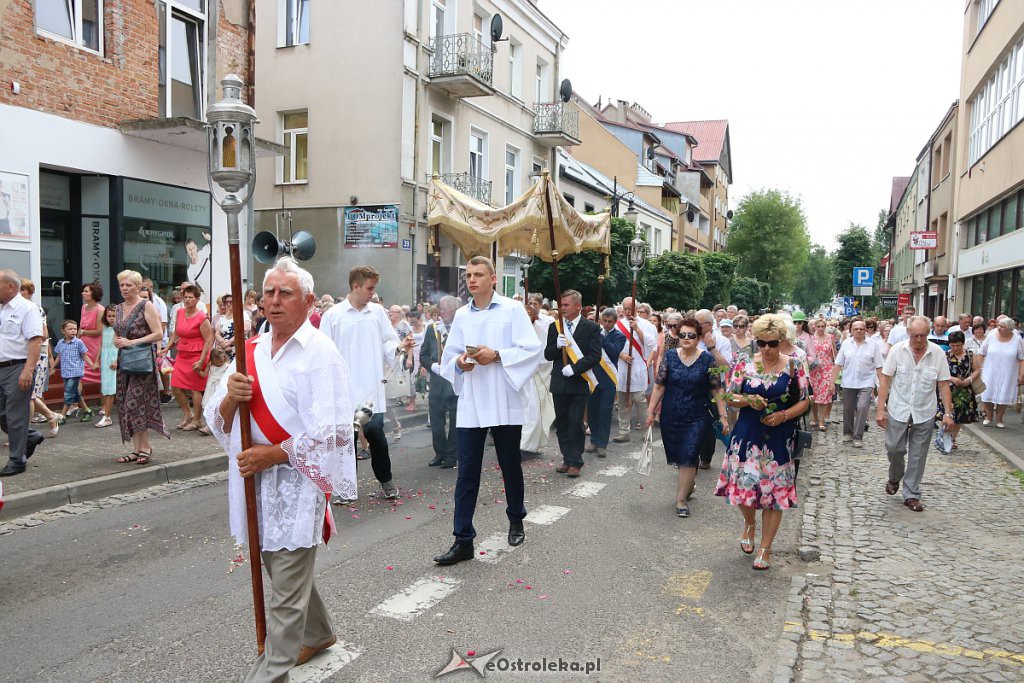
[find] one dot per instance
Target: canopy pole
(554, 262)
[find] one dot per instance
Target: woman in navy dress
(684, 392)
(770, 390)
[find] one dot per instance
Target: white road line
(494, 547)
(615, 471)
(586, 489)
(325, 664)
(547, 514)
(417, 598)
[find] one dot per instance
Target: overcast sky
(826, 99)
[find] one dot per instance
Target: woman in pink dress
(821, 357)
(193, 337)
(90, 329)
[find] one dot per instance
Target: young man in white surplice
(491, 354)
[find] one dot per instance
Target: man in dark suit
(599, 409)
(442, 401)
(569, 388)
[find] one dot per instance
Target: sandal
(191, 426)
(683, 512)
(184, 421)
(125, 459)
(144, 458)
(822, 428)
(747, 544)
(763, 560)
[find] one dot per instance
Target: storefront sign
(903, 301)
(166, 203)
(924, 239)
(371, 227)
(54, 192)
(888, 301)
(14, 207)
(96, 250)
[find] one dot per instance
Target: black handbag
(136, 360)
(804, 437)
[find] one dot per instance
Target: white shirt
(161, 309)
(493, 394)
(367, 342)
(722, 345)
(314, 380)
(912, 390)
(20, 322)
(859, 362)
(639, 371)
(898, 334)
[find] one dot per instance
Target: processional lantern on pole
(637, 258)
(232, 169)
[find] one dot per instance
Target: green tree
(814, 283)
(751, 294)
(768, 236)
(579, 271)
(855, 250)
(720, 269)
(675, 279)
(880, 240)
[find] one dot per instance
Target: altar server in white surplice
(540, 409)
(301, 418)
(491, 354)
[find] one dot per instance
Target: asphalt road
(147, 590)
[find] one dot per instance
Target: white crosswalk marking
(417, 598)
(494, 547)
(614, 471)
(325, 664)
(586, 489)
(547, 514)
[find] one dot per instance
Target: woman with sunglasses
(757, 472)
(742, 342)
(686, 386)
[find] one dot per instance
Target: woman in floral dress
(963, 372)
(821, 355)
(757, 472)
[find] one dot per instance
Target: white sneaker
(986, 422)
(105, 422)
(847, 438)
(857, 443)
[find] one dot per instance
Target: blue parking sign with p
(863, 277)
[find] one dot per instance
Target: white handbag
(643, 465)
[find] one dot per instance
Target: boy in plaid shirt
(72, 355)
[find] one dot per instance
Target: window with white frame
(478, 30)
(985, 8)
(439, 145)
(515, 69)
(542, 81)
(294, 26)
(182, 37)
(437, 21)
(538, 166)
(512, 156)
(997, 107)
(79, 22)
(478, 155)
(295, 164)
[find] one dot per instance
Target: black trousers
(443, 410)
(380, 460)
(569, 410)
(707, 451)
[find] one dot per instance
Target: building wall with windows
(990, 138)
(902, 256)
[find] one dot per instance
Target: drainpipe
(416, 150)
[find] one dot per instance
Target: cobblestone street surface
(898, 595)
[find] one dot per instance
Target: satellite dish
(691, 216)
(565, 90)
(303, 245)
(266, 246)
(728, 214)
(497, 26)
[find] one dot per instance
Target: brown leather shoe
(891, 487)
(306, 653)
(562, 469)
(914, 504)
(572, 472)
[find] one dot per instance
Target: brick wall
(120, 85)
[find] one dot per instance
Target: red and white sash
(268, 409)
(632, 338)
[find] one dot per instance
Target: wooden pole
(554, 262)
(245, 427)
(629, 371)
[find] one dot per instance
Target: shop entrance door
(57, 287)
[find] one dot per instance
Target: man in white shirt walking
(363, 335)
(861, 360)
(491, 354)
(21, 336)
(899, 332)
(906, 407)
(634, 364)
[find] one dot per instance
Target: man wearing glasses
(861, 361)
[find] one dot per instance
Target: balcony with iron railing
(467, 184)
(556, 124)
(462, 66)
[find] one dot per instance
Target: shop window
(1018, 307)
(181, 78)
(79, 22)
(978, 296)
(989, 305)
(294, 165)
(1005, 292)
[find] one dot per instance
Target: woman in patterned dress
(138, 396)
(90, 327)
(963, 371)
(757, 472)
(821, 356)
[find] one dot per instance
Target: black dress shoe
(435, 462)
(459, 552)
(447, 465)
(516, 534)
(33, 440)
(10, 469)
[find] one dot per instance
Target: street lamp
(232, 169)
(637, 257)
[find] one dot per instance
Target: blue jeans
(71, 393)
(599, 415)
(471, 458)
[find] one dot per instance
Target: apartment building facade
(990, 177)
(391, 95)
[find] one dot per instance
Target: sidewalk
(79, 463)
(1008, 442)
(899, 595)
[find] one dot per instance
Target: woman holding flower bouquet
(758, 473)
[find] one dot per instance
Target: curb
(996, 447)
(28, 502)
